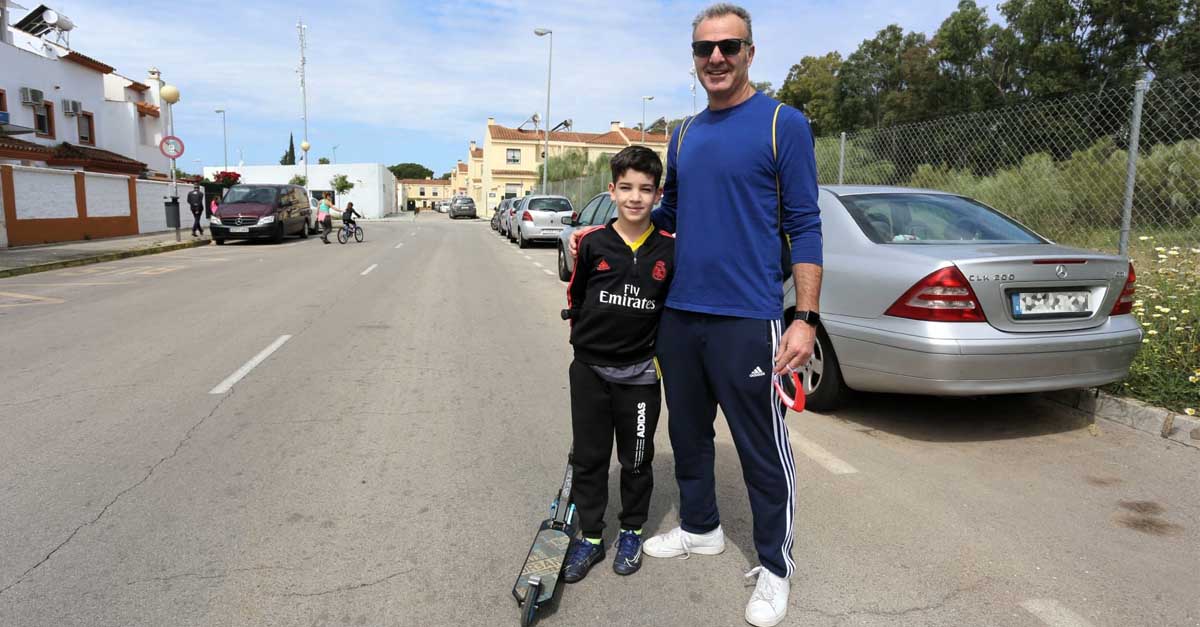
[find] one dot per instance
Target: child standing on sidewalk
(614, 300)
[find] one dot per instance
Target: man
(195, 201)
(737, 174)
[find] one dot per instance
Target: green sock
(637, 531)
(594, 540)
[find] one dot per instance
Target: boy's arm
(577, 288)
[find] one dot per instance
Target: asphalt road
(389, 461)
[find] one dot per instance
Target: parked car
(507, 219)
(926, 292)
(499, 214)
(261, 211)
(598, 210)
(539, 219)
(462, 207)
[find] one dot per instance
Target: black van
(261, 211)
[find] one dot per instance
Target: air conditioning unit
(72, 107)
(32, 96)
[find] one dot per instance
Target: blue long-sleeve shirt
(720, 200)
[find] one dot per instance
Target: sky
(415, 81)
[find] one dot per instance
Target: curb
(84, 261)
(1179, 428)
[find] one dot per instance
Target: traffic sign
(171, 147)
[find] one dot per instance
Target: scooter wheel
(529, 607)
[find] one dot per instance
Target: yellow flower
(1165, 310)
(1172, 252)
(1144, 238)
(1193, 379)
(1185, 312)
(1152, 332)
(1159, 249)
(1156, 315)
(1189, 411)
(1172, 318)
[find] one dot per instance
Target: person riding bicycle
(348, 215)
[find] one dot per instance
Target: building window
(422, 191)
(43, 119)
(3, 101)
(514, 155)
(435, 192)
(87, 129)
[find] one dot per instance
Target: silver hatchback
(538, 218)
(598, 210)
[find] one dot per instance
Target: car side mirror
(568, 221)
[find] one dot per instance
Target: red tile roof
(146, 108)
(88, 62)
(21, 149)
(635, 136)
(514, 173)
(624, 137)
(462, 167)
(477, 153)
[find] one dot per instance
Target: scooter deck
(545, 560)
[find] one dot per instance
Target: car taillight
(944, 296)
(1124, 304)
(525, 217)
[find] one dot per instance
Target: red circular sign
(171, 147)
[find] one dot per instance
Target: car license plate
(1051, 304)
(239, 229)
(550, 231)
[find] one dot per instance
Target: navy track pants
(710, 360)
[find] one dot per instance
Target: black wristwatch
(809, 317)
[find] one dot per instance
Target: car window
(549, 204)
(933, 219)
(237, 194)
(607, 207)
(589, 210)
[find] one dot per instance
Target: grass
(1166, 372)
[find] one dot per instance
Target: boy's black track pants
(599, 409)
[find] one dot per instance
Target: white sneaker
(768, 605)
(678, 542)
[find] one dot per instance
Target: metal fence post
(842, 159)
(1135, 125)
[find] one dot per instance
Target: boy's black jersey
(616, 295)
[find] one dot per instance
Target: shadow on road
(969, 419)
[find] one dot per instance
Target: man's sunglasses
(729, 47)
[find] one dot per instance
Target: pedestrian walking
(195, 201)
(740, 174)
(325, 217)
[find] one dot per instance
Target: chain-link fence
(1062, 167)
(581, 189)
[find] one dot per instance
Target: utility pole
(304, 145)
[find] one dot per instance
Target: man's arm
(802, 223)
(664, 216)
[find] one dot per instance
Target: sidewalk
(27, 259)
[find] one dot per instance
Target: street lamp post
(224, 138)
(692, 71)
(304, 145)
(170, 96)
(644, 100)
(549, 64)
(335, 154)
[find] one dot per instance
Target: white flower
(1143, 238)
(1172, 252)
(1152, 332)
(1189, 411)
(1159, 249)
(1193, 379)
(1165, 310)
(1185, 312)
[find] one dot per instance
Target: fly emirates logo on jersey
(629, 298)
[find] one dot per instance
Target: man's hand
(796, 347)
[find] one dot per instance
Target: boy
(615, 299)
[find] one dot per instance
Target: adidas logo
(603, 265)
(757, 372)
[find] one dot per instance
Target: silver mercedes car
(926, 292)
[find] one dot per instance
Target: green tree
(289, 155)
(299, 179)
(886, 80)
(812, 87)
(341, 184)
(572, 163)
(410, 171)
(446, 176)
(764, 87)
(323, 161)
(1178, 52)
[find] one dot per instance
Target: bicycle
(346, 231)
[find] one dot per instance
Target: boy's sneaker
(581, 556)
(768, 605)
(678, 542)
(629, 553)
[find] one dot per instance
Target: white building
(373, 195)
(82, 114)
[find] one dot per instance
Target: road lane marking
(818, 454)
(232, 379)
(527, 257)
(33, 300)
(399, 245)
(368, 270)
(538, 265)
(547, 272)
(1054, 613)
(91, 284)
